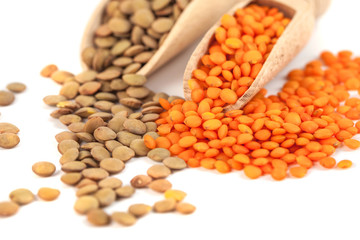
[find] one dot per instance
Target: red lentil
(275, 135)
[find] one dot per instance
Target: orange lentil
(278, 174)
(242, 158)
(352, 143)
(262, 135)
(222, 166)
(193, 162)
(197, 95)
(208, 163)
(252, 172)
(260, 161)
(187, 141)
(279, 152)
(163, 142)
(304, 161)
(175, 149)
(328, 162)
(193, 121)
(323, 133)
(259, 153)
(187, 154)
(228, 96)
(149, 142)
(176, 116)
(344, 164)
(305, 122)
(298, 172)
(164, 103)
(316, 156)
(212, 124)
(343, 135)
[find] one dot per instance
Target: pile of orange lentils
(285, 134)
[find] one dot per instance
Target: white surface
(323, 205)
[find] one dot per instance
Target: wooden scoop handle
(295, 36)
(320, 6)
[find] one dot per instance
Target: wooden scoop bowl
(193, 22)
(302, 13)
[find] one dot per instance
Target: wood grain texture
(293, 39)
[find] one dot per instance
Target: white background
(323, 205)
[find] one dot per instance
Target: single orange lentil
(164, 103)
(352, 143)
(193, 162)
(149, 142)
(197, 95)
(218, 58)
(304, 161)
(263, 135)
(278, 174)
(187, 141)
(252, 56)
(208, 163)
(252, 172)
(242, 158)
(176, 116)
(323, 133)
(328, 162)
(193, 121)
(222, 166)
(228, 96)
(212, 124)
(344, 164)
(298, 172)
(163, 142)
(201, 147)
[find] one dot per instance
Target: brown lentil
(6, 98)
(71, 178)
(8, 209)
(174, 163)
(95, 173)
(158, 171)
(160, 185)
(98, 217)
(139, 210)
(158, 154)
(112, 165)
(16, 87)
(8, 128)
(84, 204)
(9, 140)
(140, 181)
(110, 182)
(163, 206)
(105, 196)
(185, 208)
(125, 191)
(22, 196)
(48, 194)
(87, 190)
(123, 218)
(43, 169)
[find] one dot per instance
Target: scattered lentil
(48, 194)
(8, 209)
(22, 196)
(43, 169)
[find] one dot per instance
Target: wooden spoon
(296, 34)
(193, 22)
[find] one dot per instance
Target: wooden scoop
(193, 22)
(296, 34)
